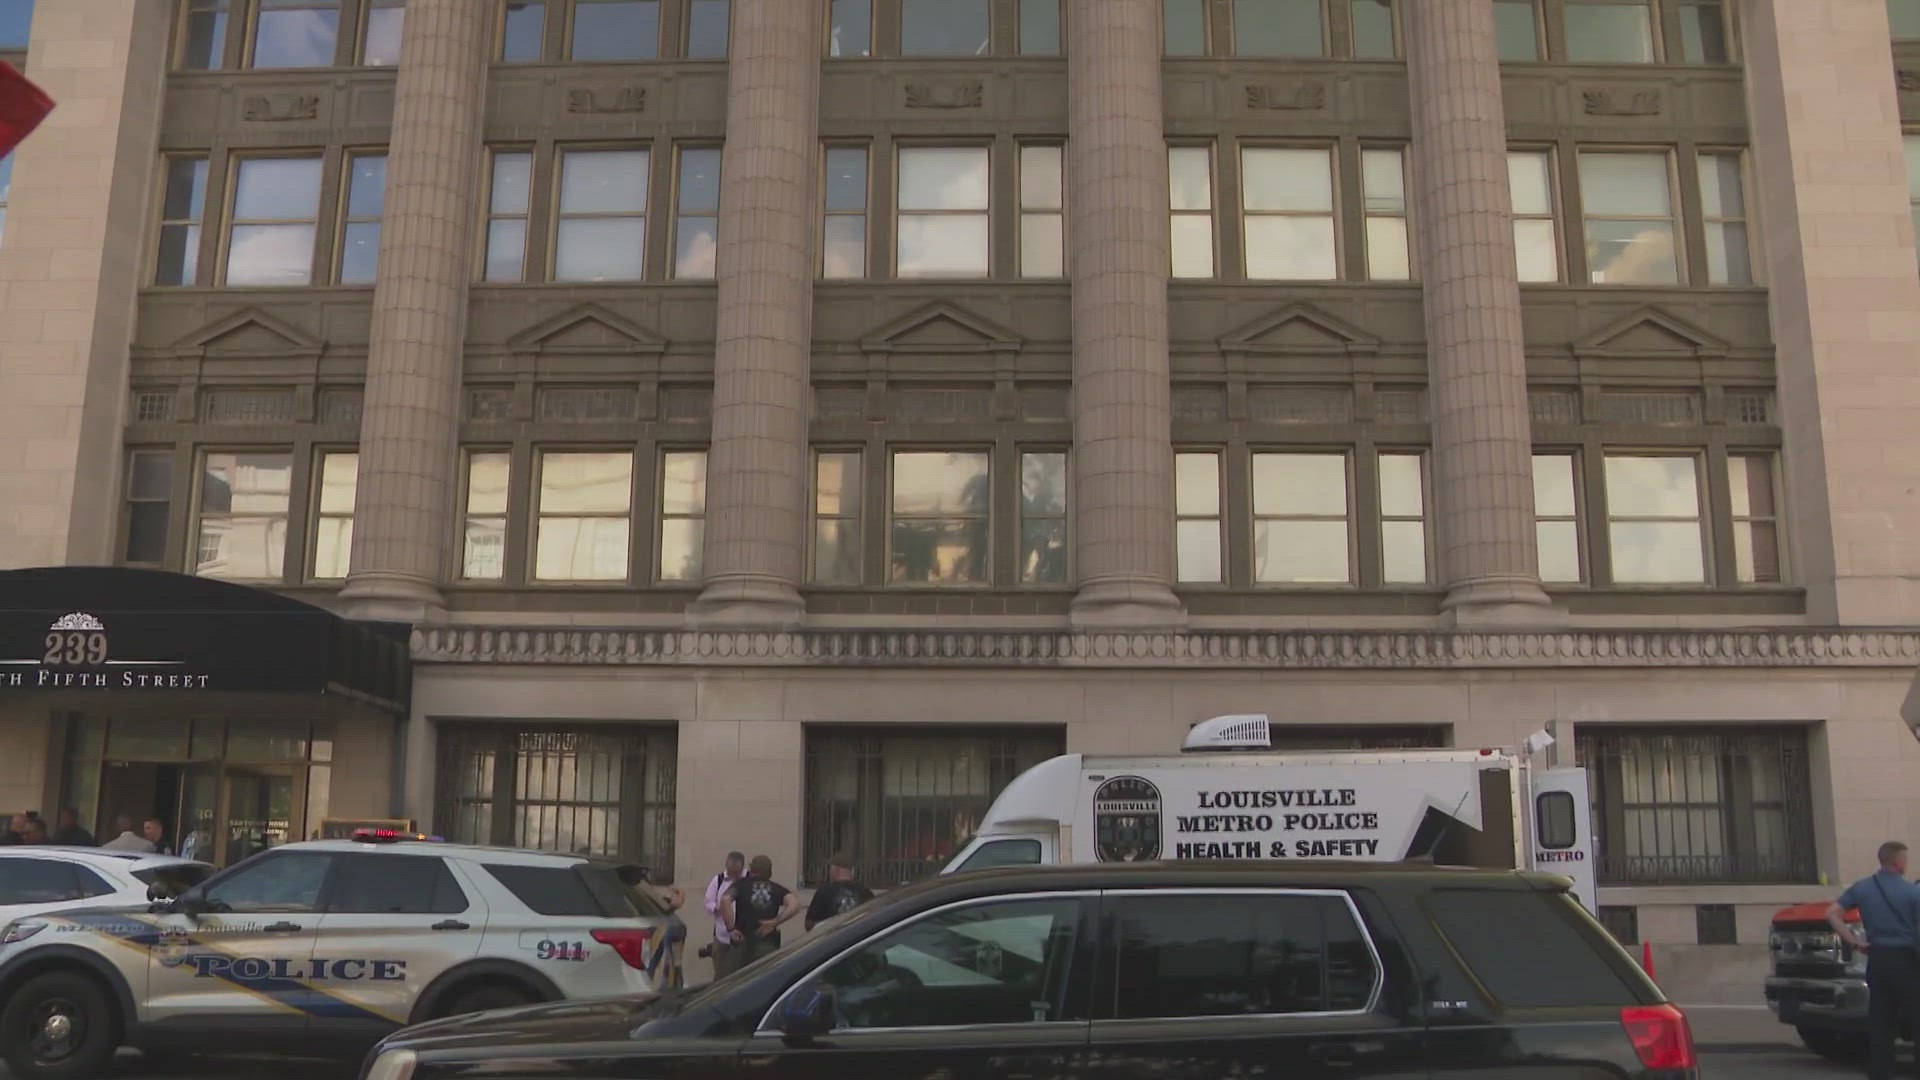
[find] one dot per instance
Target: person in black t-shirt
(754, 910)
(840, 894)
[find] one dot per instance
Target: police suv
(326, 946)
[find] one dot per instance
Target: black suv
(1169, 970)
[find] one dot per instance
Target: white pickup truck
(1227, 797)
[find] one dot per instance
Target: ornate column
(756, 539)
(409, 430)
(1117, 224)
(1482, 444)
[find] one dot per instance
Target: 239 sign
(75, 648)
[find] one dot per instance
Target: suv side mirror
(809, 1012)
(193, 902)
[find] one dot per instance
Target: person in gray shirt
(1889, 933)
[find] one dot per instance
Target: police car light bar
(385, 836)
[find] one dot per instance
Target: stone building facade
(780, 421)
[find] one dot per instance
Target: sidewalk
(1728, 1027)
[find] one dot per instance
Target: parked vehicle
(37, 879)
(325, 947)
(1227, 798)
(1178, 971)
(1818, 983)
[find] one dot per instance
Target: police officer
(1889, 908)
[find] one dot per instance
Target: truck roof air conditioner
(1249, 732)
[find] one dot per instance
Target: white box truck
(1228, 797)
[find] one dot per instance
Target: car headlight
(20, 931)
(393, 1065)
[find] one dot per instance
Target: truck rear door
(1560, 837)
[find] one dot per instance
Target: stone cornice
(1382, 650)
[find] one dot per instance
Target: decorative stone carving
(964, 94)
(273, 108)
(622, 99)
(1383, 650)
(1301, 97)
(1622, 102)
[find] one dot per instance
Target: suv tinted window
(1531, 949)
(1005, 962)
(396, 885)
(1257, 954)
(548, 890)
(91, 883)
(38, 881)
(283, 882)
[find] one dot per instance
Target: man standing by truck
(1889, 907)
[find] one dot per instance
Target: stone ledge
(1255, 650)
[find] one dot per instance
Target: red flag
(22, 107)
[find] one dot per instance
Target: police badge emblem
(1126, 820)
(171, 948)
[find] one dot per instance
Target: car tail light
(1660, 1036)
(630, 944)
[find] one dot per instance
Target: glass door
(261, 812)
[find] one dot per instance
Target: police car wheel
(484, 997)
(59, 1026)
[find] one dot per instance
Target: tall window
(523, 26)
(1043, 519)
(1384, 180)
(602, 231)
(944, 28)
(149, 506)
(1756, 519)
(939, 527)
(483, 544)
(850, 29)
(1516, 22)
(1403, 520)
(1040, 27)
(1197, 533)
(509, 198)
(295, 33)
(203, 45)
(276, 209)
(1703, 32)
(1300, 533)
(582, 517)
(904, 801)
(942, 228)
(1556, 513)
(707, 25)
(843, 248)
(836, 517)
(1278, 28)
(1186, 27)
(1287, 199)
(241, 518)
(615, 30)
(1190, 172)
(1536, 242)
(380, 33)
(333, 515)
(366, 204)
(1628, 199)
(1609, 31)
(1042, 220)
(1724, 205)
(1719, 804)
(1373, 37)
(183, 206)
(1653, 520)
(696, 225)
(683, 514)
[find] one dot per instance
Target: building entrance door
(261, 812)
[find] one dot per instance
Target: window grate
(151, 406)
(1622, 922)
(340, 406)
(1300, 404)
(589, 404)
(902, 803)
(249, 406)
(940, 406)
(1554, 406)
(686, 403)
(1714, 924)
(1199, 404)
(588, 790)
(1400, 406)
(1045, 402)
(492, 404)
(840, 403)
(1701, 806)
(1653, 407)
(1750, 407)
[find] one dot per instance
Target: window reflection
(296, 33)
(1300, 519)
(616, 29)
(243, 516)
(940, 505)
(1629, 216)
(601, 235)
(582, 530)
(1653, 515)
(943, 220)
(1609, 33)
(944, 28)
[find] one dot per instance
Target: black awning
(98, 629)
